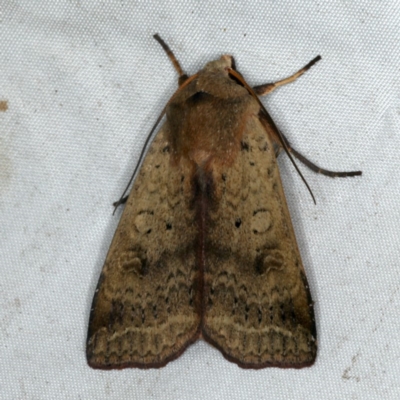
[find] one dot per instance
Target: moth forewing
(146, 308)
(205, 246)
(258, 308)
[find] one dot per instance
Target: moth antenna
(292, 159)
(123, 199)
(316, 168)
(182, 76)
(265, 114)
(267, 88)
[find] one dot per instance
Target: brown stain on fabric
(3, 105)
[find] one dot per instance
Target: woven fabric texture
(81, 84)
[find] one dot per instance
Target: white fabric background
(85, 81)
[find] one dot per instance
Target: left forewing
(146, 308)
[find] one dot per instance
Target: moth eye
(165, 149)
(223, 177)
(234, 78)
(157, 166)
(199, 97)
(252, 163)
(238, 222)
(233, 63)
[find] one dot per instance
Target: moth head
(225, 62)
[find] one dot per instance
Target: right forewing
(258, 310)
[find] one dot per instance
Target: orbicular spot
(238, 222)
(168, 226)
(144, 221)
(261, 221)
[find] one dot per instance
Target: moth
(205, 247)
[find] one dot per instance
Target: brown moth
(205, 247)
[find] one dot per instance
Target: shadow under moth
(205, 247)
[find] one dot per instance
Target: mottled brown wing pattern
(258, 309)
(146, 308)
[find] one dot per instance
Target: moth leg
(122, 200)
(267, 88)
(182, 76)
(277, 149)
(316, 168)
